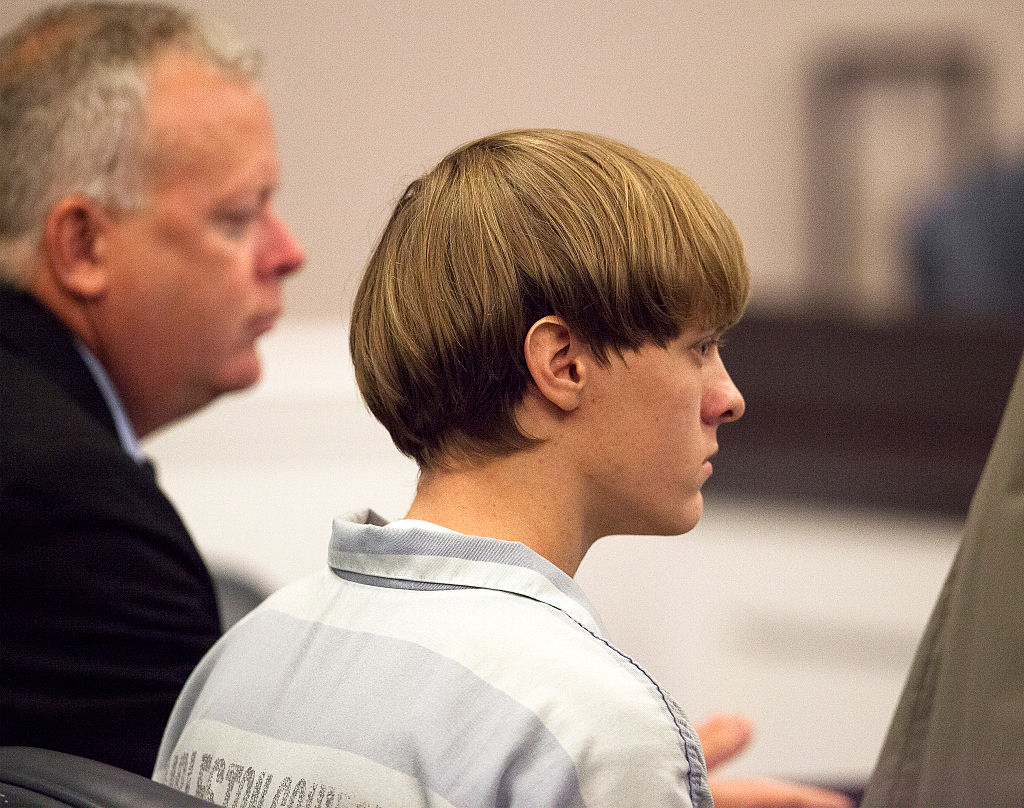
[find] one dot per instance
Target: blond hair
(508, 229)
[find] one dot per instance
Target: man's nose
(283, 253)
(723, 401)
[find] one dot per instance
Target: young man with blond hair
(538, 328)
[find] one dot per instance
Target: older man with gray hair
(140, 260)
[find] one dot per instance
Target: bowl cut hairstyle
(625, 248)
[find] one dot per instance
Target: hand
(725, 736)
(773, 794)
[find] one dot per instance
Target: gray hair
(72, 94)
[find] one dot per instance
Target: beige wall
(367, 95)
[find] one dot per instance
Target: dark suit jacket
(105, 604)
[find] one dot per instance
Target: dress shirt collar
(363, 546)
(121, 423)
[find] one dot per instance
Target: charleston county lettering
(235, 786)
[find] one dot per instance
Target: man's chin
(687, 519)
(243, 373)
(673, 523)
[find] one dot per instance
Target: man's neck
(518, 497)
(148, 405)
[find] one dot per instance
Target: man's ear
(74, 240)
(558, 361)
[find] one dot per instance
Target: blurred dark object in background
(888, 118)
(967, 251)
(885, 388)
(842, 413)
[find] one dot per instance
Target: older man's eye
(235, 223)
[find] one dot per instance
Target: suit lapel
(29, 330)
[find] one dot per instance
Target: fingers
(774, 794)
(723, 737)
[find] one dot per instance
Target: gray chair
(238, 593)
(41, 778)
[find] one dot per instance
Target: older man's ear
(74, 247)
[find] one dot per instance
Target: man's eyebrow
(259, 193)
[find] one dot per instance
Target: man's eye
(709, 347)
(235, 223)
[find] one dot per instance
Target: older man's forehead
(199, 118)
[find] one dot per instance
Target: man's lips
(263, 323)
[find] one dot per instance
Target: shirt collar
(121, 423)
(362, 545)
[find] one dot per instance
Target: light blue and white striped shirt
(428, 668)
